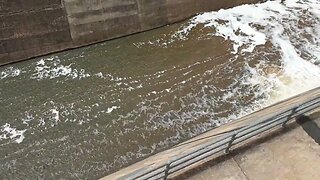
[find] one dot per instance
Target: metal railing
(225, 142)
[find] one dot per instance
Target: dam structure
(94, 89)
(37, 27)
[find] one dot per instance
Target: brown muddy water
(85, 113)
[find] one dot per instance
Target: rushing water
(88, 112)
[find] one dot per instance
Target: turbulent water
(88, 112)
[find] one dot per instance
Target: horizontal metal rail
(226, 142)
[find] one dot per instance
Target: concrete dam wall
(30, 28)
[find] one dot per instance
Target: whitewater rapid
(293, 27)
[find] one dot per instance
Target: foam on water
(10, 72)
(249, 26)
(8, 132)
(50, 68)
(112, 109)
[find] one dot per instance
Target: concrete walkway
(290, 153)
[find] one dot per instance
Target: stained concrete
(288, 154)
(95, 20)
(31, 28)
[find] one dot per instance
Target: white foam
(27, 119)
(55, 114)
(112, 109)
(50, 68)
(8, 132)
(249, 26)
(10, 72)
(299, 75)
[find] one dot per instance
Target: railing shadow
(310, 127)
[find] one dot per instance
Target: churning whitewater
(292, 27)
(90, 111)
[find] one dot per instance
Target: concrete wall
(95, 20)
(30, 28)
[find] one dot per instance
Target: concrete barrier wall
(30, 28)
(96, 20)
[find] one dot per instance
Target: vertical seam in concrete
(240, 168)
(139, 6)
(68, 21)
(139, 13)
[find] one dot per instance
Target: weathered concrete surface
(152, 13)
(288, 154)
(192, 144)
(224, 170)
(31, 28)
(96, 20)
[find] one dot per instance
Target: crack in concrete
(240, 168)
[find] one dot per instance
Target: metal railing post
(166, 171)
(233, 137)
(290, 116)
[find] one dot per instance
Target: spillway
(87, 112)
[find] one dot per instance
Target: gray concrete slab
(226, 170)
(288, 154)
